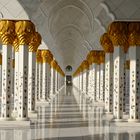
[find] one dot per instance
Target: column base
(32, 115)
(117, 120)
(108, 113)
(22, 119)
(40, 103)
(14, 124)
(133, 120)
(32, 111)
(97, 103)
(43, 100)
(14, 113)
(6, 119)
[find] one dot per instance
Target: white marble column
(102, 75)
(98, 82)
(52, 83)
(35, 42)
(44, 81)
(134, 55)
(0, 74)
(81, 73)
(47, 58)
(7, 39)
(24, 37)
(40, 65)
(16, 77)
(102, 82)
(119, 41)
(12, 75)
(90, 82)
(12, 82)
(37, 83)
(84, 81)
(92, 58)
(109, 82)
(85, 76)
(23, 82)
(118, 83)
(56, 81)
(108, 48)
(80, 81)
(93, 82)
(53, 78)
(127, 83)
(124, 87)
(6, 82)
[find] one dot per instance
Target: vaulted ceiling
(71, 28)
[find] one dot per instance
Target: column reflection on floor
(62, 119)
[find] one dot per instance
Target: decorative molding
(109, 13)
(69, 26)
(72, 3)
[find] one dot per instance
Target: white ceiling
(71, 28)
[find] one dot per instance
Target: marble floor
(70, 116)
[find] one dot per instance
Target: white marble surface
(67, 123)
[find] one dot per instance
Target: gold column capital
(106, 43)
(7, 31)
(57, 68)
(24, 30)
(85, 65)
(38, 56)
(54, 64)
(46, 56)
(134, 34)
(16, 44)
(117, 32)
(35, 42)
(102, 57)
(94, 56)
(89, 58)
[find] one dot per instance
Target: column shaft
(102, 82)
(118, 87)
(6, 82)
(23, 83)
(40, 81)
(31, 82)
(98, 83)
(52, 83)
(16, 82)
(134, 54)
(108, 82)
(45, 78)
(37, 81)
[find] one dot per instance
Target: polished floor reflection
(70, 116)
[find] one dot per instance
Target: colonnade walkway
(70, 116)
